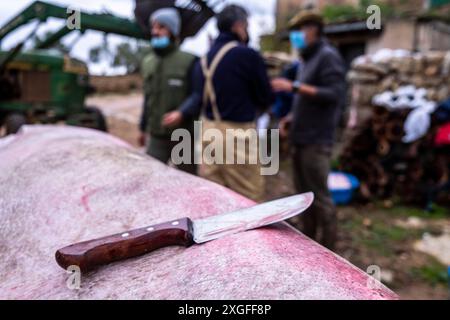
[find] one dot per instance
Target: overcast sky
(261, 21)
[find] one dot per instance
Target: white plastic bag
(416, 125)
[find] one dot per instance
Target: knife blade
(90, 254)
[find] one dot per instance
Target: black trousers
(311, 164)
(161, 149)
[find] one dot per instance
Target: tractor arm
(101, 22)
(53, 38)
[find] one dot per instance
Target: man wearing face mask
(317, 107)
(232, 85)
(167, 72)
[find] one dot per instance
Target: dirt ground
(122, 114)
(384, 234)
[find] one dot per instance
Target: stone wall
(387, 70)
(116, 84)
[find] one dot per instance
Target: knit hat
(168, 17)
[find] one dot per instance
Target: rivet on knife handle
(90, 254)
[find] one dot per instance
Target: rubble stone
(423, 70)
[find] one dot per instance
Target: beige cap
(306, 16)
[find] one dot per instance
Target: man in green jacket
(167, 86)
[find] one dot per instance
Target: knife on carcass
(183, 232)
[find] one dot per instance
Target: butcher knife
(182, 232)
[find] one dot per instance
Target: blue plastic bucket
(342, 187)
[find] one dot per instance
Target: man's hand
(284, 126)
(282, 85)
(172, 119)
(142, 139)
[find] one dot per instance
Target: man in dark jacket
(232, 85)
(320, 93)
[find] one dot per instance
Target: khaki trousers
(246, 178)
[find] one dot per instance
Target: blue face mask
(298, 39)
(160, 42)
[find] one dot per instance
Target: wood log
(386, 166)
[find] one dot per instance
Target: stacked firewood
(377, 153)
(386, 166)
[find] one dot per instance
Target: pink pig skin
(61, 185)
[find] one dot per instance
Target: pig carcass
(61, 185)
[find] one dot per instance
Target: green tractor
(45, 85)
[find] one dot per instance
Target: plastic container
(342, 187)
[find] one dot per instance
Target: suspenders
(209, 94)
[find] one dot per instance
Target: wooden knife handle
(90, 254)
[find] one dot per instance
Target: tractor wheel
(98, 117)
(13, 122)
(91, 118)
